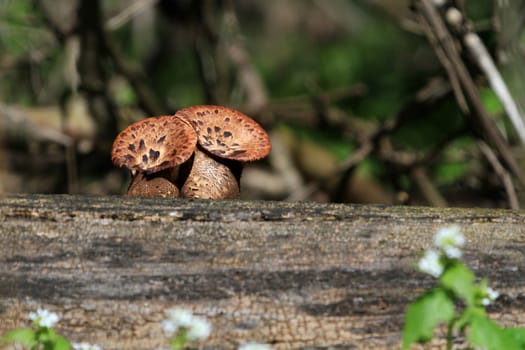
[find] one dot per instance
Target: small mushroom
(151, 148)
(226, 140)
(153, 185)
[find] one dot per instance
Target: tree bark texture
(294, 275)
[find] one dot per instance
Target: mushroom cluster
(197, 153)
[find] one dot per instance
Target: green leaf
(23, 336)
(424, 314)
(460, 280)
(61, 343)
(489, 336)
(45, 335)
(180, 340)
(468, 315)
(517, 333)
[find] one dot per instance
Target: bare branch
(502, 173)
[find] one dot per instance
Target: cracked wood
(295, 275)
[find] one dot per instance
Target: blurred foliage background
(358, 105)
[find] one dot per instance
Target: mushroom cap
(154, 144)
(227, 133)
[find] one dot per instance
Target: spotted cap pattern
(154, 144)
(227, 133)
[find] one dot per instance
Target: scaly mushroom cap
(154, 144)
(227, 133)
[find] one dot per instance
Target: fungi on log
(294, 275)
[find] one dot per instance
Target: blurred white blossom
(169, 327)
(85, 346)
(452, 252)
(255, 346)
(43, 318)
(450, 240)
(430, 263)
(181, 317)
(491, 295)
(197, 328)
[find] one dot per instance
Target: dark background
(358, 105)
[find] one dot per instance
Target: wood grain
(295, 275)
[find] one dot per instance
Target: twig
(502, 173)
(249, 79)
(135, 8)
(441, 33)
(485, 62)
(448, 65)
(281, 161)
(427, 188)
(299, 110)
(483, 59)
(426, 98)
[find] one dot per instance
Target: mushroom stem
(211, 177)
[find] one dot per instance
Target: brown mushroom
(151, 148)
(152, 185)
(226, 139)
(202, 149)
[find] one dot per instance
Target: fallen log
(294, 275)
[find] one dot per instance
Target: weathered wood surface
(298, 275)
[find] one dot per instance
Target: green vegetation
(458, 302)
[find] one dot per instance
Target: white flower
(491, 295)
(196, 327)
(43, 318)
(431, 264)
(181, 317)
(199, 329)
(452, 252)
(85, 346)
(449, 239)
(255, 346)
(169, 327)
(449, 236)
